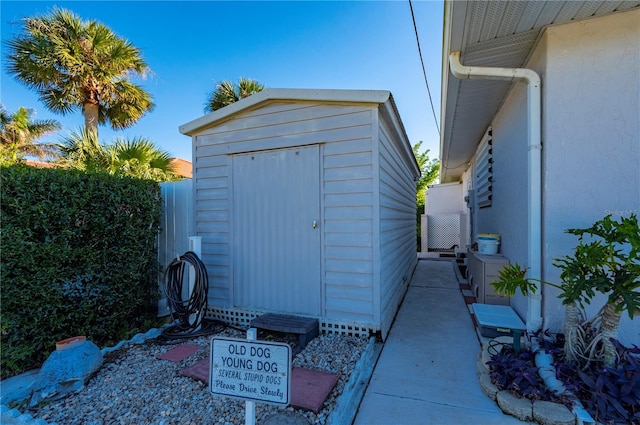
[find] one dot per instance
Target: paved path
(426, 373)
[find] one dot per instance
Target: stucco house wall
(591, 147)
(591, 135)
(507, 216)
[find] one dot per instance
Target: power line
(424, 72)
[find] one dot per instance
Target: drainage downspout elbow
(463, 72)
(534, 162)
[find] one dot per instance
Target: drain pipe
(534, 162)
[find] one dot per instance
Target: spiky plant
(227, 93)
(19, 135)
(139, 157)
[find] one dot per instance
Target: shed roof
(495, 34)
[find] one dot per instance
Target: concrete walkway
(426, 372)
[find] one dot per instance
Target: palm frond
(71, 62)
(511, 278)
(227, 93)
(19, 135)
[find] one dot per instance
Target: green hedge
(78, 257)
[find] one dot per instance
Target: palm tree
(19, 133)
(75, 64)
(140, 158)
(82, 150)
(227, 93)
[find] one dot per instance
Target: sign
(251, 370)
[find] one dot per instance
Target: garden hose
(188, 315)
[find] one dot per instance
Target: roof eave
(453, 32)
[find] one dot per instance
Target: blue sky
(296, 44)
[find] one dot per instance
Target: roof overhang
(493, 34)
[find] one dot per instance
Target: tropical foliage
(606, 261)
(610, 394)
(227, 93)
(430, 171)
(19, 134)
(82, 150)
(138, 157)
(80, 65)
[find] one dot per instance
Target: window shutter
(484, 170)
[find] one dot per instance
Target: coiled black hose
(188, 314)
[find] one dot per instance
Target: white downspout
(534, 145)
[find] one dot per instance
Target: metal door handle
(315, 224)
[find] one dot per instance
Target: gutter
(534, 166)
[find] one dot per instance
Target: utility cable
(424, 71)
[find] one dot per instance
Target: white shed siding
(211, 198)
(348, 221)
(365, 218)
(344, 134)
(397, 224)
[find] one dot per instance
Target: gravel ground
(133, 387)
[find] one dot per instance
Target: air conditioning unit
(482, 270)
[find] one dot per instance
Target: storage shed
(305, 202)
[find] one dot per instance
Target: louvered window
(484, 170)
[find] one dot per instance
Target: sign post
(251, 370)
(250, 405)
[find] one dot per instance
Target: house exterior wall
(396, 257)
(446, 198)
(592, 135)
(507, 215)
(590, 74)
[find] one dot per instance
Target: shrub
(78, 258)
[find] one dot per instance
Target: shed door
(276, 230)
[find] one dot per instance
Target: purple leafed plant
(518, 374)
(611, 395)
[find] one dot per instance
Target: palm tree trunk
(609, 329)
(571, 322)
(90, 111)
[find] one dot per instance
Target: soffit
(493, 34)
